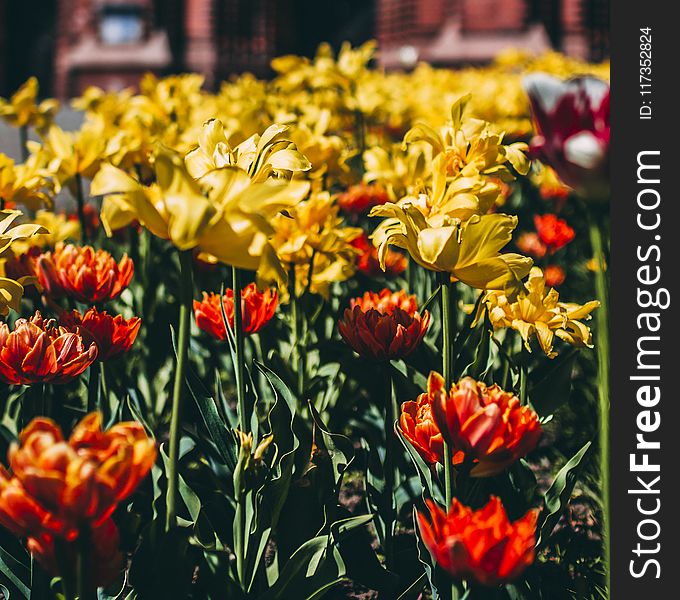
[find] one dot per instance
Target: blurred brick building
(70, 44)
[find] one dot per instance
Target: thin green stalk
(239, 337)
(80, 201)
(448, 335)
(105, 403)
(86, 589)
(186, 296)
(23, 142)
(523, 381)
(93, 387)
(298, 325)
(388, 467)
(602, 352)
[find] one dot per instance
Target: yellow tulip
(23, 110)
(538, 312)
(25, 183)
(225, 215)
(12, 290)
(261, 157)
(470, 251)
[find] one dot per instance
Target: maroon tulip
(572, 123)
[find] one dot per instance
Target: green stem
(239, 337)
(360, 125)
(93, 387)
(186, 297)
(298, 325)
(448, 335)
(86, 589)
(523, 379)
(80, 201)
(105, 401)
(602, 352)
(23, 142)
(389, 471)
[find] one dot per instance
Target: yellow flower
(25, 183)
(23, 110)
(12, 290)
(538, 312)
(77, 153)
(261, 157)
(55, 228)
(312, 237)
(470, 251)
(400, 170)
(225, 215)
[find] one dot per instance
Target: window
(121, 25)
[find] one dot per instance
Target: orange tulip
(60, 487)
(418, 426)
(486, 423)
(83, 273)
(554, 275)
(40, 351)
(257, 309)
(481, 544)
(529, 243)
(383, 326)
(112, 335)
(104, 557)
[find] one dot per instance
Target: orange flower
(481, 544)
(383, 326)
(257, 308)
(84, 274)
(360, 198)
(554, 232)
(38, 351)
(104, 556)
(112, 335)
(554, 275)
(486, 423)
(529, 243)
(368, 263)
(418, 426)
(61, 487)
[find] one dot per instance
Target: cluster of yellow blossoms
(250, 176)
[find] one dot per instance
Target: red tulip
(84, 274)
(40, 351)
(360, 198)
(368, 263)
(573, 130)
(104, 557)
(383, 326)
(482, 544)
(112, 335)
(554, 232)
(486, 423)
(257, 309)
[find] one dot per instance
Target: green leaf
(339, 447)
(216, 427)
(17, 574)
(557, 496)
(553, 386)
(424, 471)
